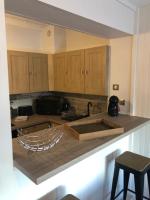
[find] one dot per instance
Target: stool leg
(126, 181)
(114, 184)
(139, 186)
(148, 176)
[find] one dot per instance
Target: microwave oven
(50, 105)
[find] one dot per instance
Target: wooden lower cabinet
(28, 72)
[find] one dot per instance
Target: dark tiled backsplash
(78, 101)
(29, 95)
(17, 100)
(80, 105)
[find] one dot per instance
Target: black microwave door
(48, 107)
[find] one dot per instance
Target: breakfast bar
(40, 166)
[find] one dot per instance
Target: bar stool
(70, 197)
(137, 165)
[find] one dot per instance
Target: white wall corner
(135, 54)
(128, 4)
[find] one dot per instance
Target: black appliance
(113, 107)
(51, 105)
(14, 112)
(25, 111)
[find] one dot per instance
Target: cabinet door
(38, 70)
(59, 71)
(75, 72)
(96, 71)
(18, 72)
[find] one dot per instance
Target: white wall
(78, 40)
(6, 164)
(59, 39)
(141, 81)
(27, 35)
(120, 69)
(111, 13)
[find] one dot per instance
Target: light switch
(115, 86)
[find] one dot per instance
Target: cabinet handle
(82, 71)
(86, 72)
(30, 73)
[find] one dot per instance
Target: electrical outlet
(115, 86)
(122, 102)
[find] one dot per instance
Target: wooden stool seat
(137, 165)
(70, 197)
(133, 162)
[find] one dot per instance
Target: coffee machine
(113, 107)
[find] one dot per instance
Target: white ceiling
(48, 14)
(139, 3)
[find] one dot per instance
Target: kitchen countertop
(36, 119)
(39, 166)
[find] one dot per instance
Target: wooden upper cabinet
(38, 71)
(96, 70)
(82, 71)
(28, 72)
(18, 72)
(75, 71)
(59, 71)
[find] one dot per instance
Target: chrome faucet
(88, 108)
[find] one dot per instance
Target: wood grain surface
(96, 128)
(18, 72)
(40, 166)
(36, 119)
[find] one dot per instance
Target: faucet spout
(88, 108)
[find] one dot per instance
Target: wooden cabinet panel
(96, 71)
(9, 72)
(59, 72)
(28, 72)
(75, 71)
(38, 69)
(82, 71)
(18, 72)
